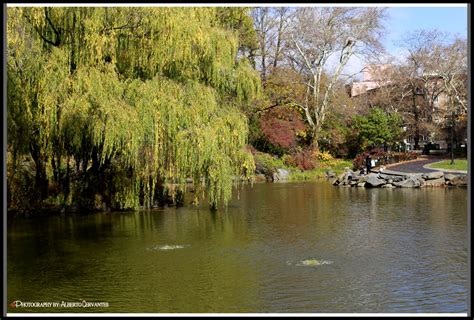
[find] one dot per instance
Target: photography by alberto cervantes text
(59, 304)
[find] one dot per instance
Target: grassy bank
(337, 166)
(459, 164)
(272, 163)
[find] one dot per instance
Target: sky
(405, 19)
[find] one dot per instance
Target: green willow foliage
(153, 95)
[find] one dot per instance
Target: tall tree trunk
(314, 139)
(66, 186)
(416, 137)
(279, 36)
(41, 180)
(55, 170)
(264, 65)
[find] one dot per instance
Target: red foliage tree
(281, 126)
(302, 159)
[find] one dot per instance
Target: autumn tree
(318, 34)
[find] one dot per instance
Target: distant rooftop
(373, 76)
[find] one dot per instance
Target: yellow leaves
(155, 105)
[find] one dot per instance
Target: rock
(459, 181)
(361, 184)
(390, 177)
(341, 177)
(435, 182)
(259, 168)
(388, 185)
(362, 179)
(384, 176)
(413, 181)
(355, 176)
(281, 175)
(374, 181)
(341, 180)
(260, 177)
(330, 174)
(433, 175)
(449, 176)
(398, 178)
(347, 179)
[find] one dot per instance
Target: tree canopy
(378, 127)
(148, 95)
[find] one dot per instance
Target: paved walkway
(418, 166)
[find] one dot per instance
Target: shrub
(302, 159)
(267, 163)
(281, 126)
(324, 157)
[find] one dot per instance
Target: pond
(283, 247)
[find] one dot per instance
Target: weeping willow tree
(129, 102)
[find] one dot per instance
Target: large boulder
(341, 179)
(449, 176)
(388, 185)
(384, 176)
(355, 176)
(374, 181)
(281, 175)
(398, 178)
(435, 182)
(458, 181)
(433, 175)
(390, 177)
(412, 181)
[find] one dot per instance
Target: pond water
(283, 247)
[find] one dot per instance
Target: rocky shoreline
(350, 178)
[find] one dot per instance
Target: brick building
(377, 88)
